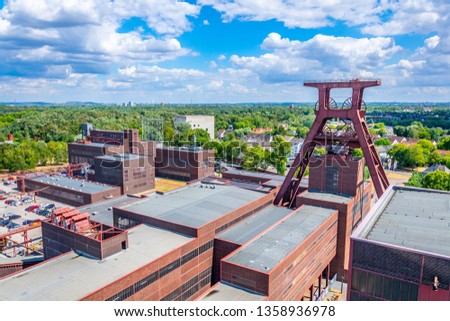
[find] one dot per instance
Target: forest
(41, 133)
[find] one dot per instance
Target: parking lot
(18, 211)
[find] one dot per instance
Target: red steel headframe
(352, 112)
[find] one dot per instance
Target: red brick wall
(289, 279)
(7, 269)
(166, 284)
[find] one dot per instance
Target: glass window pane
(362, 281)
(355, 275)
(379, 286)
(370, 283)
(395, 290)
(405, 291)
(387, 288)
(413, 292)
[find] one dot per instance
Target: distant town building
(197, 122)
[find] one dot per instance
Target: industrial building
(256, 236)
(204, 122)
(72, 191)
(116, 157)
(133, 173)
(401, 250)
(184, 163)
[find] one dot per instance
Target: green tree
(357, 152)
(278, 157)
(416, 179)
(436, 180)
(233, 149)
(435, 158)
(444, 143)
(254, 158)
(416, 156)
(217, 146)
(302, 131)
(382, 142)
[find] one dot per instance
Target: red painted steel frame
(289, 190)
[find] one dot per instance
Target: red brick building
(184, 163)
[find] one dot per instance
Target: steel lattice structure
(352, 113)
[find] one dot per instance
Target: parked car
(4, 222)
(12, 225)
(31, 208)
(50, 206)
(27, 200)
(30, 222)
(6, 183)
(2, 192)
(12, 216)
(13, 203)
(43, 212)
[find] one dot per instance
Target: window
(387, 288)
(379, 286)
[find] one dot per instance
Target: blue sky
(213, 51)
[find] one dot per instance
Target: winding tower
(352, 132)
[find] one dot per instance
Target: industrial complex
(240, 235)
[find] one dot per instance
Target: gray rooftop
(226, 292)
(71, 277)
(96, 144)
(73, 184)
(251, 227)
(266, 251)
(101, 212)
(412, 218)
(119, 156)
(194, 205)
(266, 176)
(328, 197)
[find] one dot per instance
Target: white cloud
(213, 64)
(274, 41)
(406, 16)
(205, 22)
(163, 16)
(432, 42)
(215, 84)
(222, 57)
(303, 14)
(320, 56)
(83, 34)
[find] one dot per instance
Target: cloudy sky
(210, 51)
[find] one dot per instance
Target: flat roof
(73, 184)
(266, 251)
(103, 210)
(267, 176)
(194, 205)
(227, 292)
(119, 156)
(254, 225)
(413, 218)
(329, 197)
(71, 277)
(95, 144)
